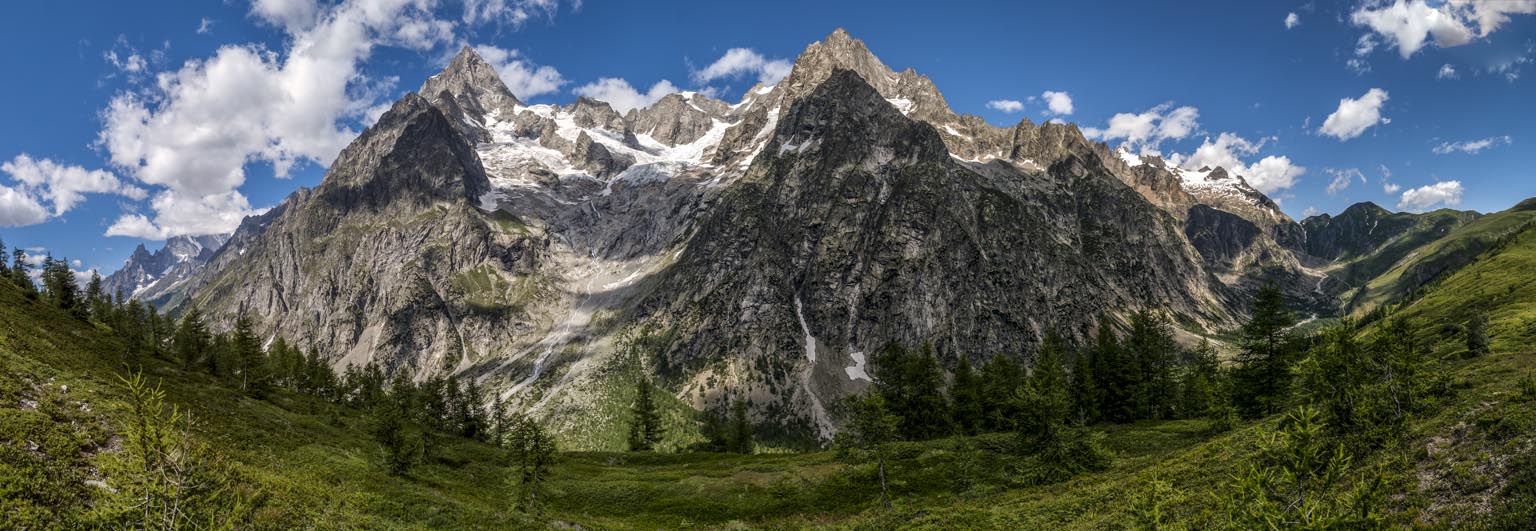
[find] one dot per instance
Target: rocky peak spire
(469, 89)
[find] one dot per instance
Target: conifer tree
(912, 386)
(1262, 378)
(716, 432)
(501, 424)
(1084, 389)
(131, 326)
(645, 420)
(741, 428)
(533, 451)
(1477, 334)
(1400, 365)
(1002, 379)
(1153, 353)
(472, 421)
(1294, 484)
(965, 397)
(60, 287)
(1112, 368)
(250, 362)
(1047, 397)
(21, 272)
(390, 419)
(192, 338)
(97, 303)
(871, 428)
(1203, 389)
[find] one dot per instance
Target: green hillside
(292, 461)
(1426, 260)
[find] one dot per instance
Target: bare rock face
(678, 118)
(469, 91)
(387, 260)
(551, 251)
(596, 158)
(855, 228)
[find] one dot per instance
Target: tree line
(407, 418)
(1343, 392)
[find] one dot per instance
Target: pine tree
(965, 397)
(1048, 401)
(1293, 486)
(21, 272)
(1400, 366)
(501, 424)
(96, 300)
(1262, 378)
(390, 419)
(1334, 379)
(533, 451)
(60, 287)
(716, 433)
(912, 386)
(192, 340)
(741, 428)
(871, 428)
(250, 362)
(1477, 334)
(1002, 379)
(1112, 368)
(472, 421)
(131, 327)
(1203, 389)
(645, 420)
(1152, 351)
(5, 272)
(1084, 389)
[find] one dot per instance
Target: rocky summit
(764, 248)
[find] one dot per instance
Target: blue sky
(145, 120)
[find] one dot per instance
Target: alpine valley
(833, 303)
(765, 247)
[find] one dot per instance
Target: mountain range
(764, 248)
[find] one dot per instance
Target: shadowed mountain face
(760, 248)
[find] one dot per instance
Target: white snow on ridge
(952, 131)
(902, 104)
(1131, 159)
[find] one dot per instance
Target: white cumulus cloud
(193, 131)
(292, 15)
(1444, 193)
(65, 185)
(19, 209)
(1472, 147)
(1007, 106)
(1413, 24)
(1446, 72)
(623, 97)
(1058, 103)
(524, 78)
(177, 214)
(1355, 115)
(1342, 178)
(1269, 175)
(1292, 20)
(737, 62)
(1143, 132)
